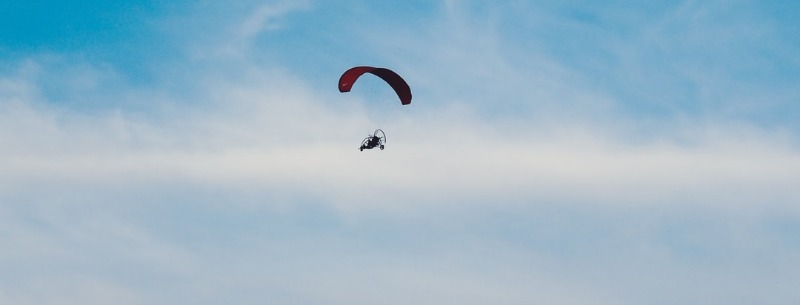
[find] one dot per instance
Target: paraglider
(398, 84)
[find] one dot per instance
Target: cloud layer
(516, 176)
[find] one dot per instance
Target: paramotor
(378, 139)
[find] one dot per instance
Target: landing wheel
(381, 147)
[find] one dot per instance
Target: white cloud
(286, 134)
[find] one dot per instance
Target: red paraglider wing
(399, 85)
(350, 76)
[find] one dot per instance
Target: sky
(555, 152)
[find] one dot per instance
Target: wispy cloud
(209, 31)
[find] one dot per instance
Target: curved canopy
(399, 85)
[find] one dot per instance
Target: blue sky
(578, 152)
